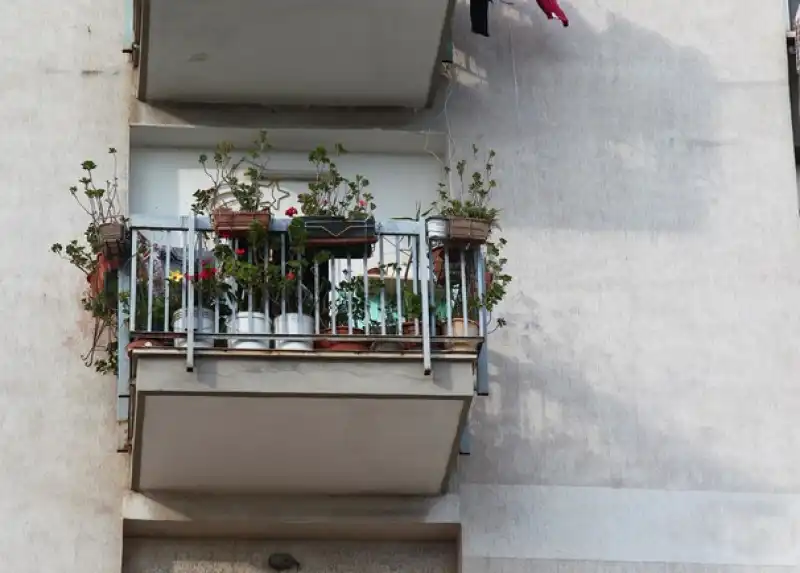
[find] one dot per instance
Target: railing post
(424, 262)
(123, 338)
(189, 316)
(482, 381)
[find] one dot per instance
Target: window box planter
(237, 224)
(341, 237)
(460, 230)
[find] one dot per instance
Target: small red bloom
(291, 212)
(362, 203)
(204, 275)
(240, 252)
(290, 276)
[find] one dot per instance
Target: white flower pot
(203, 323)
(249, 323)
(464, 328)
(438, 228)
(293, 323)
(225, 199)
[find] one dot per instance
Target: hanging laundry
(479, 15)
(552, 10)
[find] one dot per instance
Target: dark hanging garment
(479, 15)
(552, 10)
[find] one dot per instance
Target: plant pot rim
(254, 313)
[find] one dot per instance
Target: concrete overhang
(289, 425)
(290, 52)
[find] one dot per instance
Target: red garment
(552, 10)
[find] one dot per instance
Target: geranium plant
(473, 200)
(331, 194)
(235, 199)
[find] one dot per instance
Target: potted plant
(350, 316)
(235, 200)
(209, 290)
(337, 212)
(494, 291)
(243, 268)
(469, 218)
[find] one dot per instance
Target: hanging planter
(339, 236)
(237, 224)
(115, 240)
(466, 230)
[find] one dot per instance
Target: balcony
(289, 52)
(355, 378)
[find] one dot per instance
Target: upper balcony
(351, 373)
(289, 52)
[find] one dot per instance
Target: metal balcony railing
(407, 296)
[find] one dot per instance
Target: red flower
(290, 276)
(362, 203)
(205, 274)
(240, 252)
(291, 212)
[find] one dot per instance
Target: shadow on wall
(605, 127)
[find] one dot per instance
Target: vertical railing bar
(415, 274)
(432, 282)
(464, 306)
(399, 293)
(167, 282)
(367, 316)
(134, 276)
(382, 269)
(299, 278)
(217, 323)
(250, 319)
(283, 273)
(350, 296)
(448, 292)
(334, 302)
(184, 272)
(481, 288)
(464, 443)
(426, 329)
(150, 266)
(266, 285)
(191, 238)
(316, 297)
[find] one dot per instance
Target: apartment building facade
(637, 411)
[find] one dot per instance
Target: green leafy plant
(101, 203)
(331, 194)
(474, 195)
(242, 176)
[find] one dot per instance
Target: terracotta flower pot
(343, 346)
(226, 221)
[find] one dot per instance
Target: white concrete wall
(163, 180)
(644, 399)
(63, 100)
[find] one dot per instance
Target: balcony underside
(290, 52)
(246, 424)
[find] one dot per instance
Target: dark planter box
(341, 237)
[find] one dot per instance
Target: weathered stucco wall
(64, 99)
(646, 419)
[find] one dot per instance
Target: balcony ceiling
(245, 426)
(291, 52)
